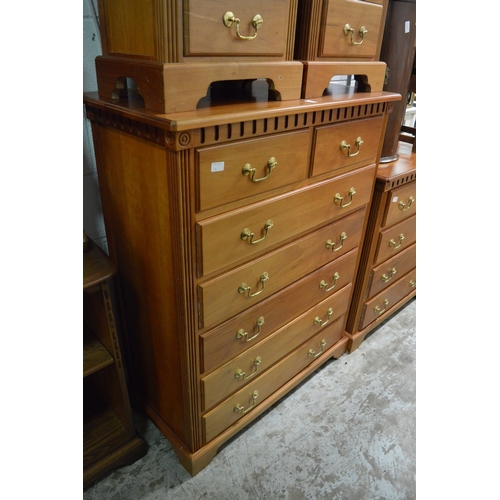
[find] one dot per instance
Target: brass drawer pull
(245, 288)
(344, 146)
(241, 374)
(248, 169)
(246, 234)
(320, 322)
(412, 283)
(316, 354)
(387, 277)
(395, 245)
(380, 311)
(229, 18)
(331, 245)
(340, 199)
(240, 408)
(405, 206)
(324, 284)
(362, 32)
(242, 334)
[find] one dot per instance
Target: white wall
(93, 223)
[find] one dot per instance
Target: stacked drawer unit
(174, 50)
(237, 230)
(387, 272)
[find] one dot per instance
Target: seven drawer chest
(237, 231)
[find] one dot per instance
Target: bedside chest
(387, 273)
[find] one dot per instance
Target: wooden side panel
(134, 188)
(128, 28)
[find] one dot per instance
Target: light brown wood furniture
(176, 48)
(237, 230)
(386, 277)
(109, 437)
(340, 30)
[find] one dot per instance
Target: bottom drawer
(384, 301)
(242, 402)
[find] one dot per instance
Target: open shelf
(95, 355)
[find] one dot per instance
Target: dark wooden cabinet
(109, 437)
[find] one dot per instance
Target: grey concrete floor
(347, 432)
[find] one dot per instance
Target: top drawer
(401, 204)
(346, 30)
(342, 147)
(351, 29)
(239, 27)
(238, 170)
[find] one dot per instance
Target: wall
(93, 223)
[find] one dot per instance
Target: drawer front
(255, 324)
(225, 240)
(401, 204)
(338, 44)
(396, 239)
(249, 365)
(241, 169)
(384, 301)
(342, 147)
(248, 398)
(232, 293)
(206, 33)
(391, 270)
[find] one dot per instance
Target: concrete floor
(347, 432)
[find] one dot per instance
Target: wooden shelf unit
(109, 437)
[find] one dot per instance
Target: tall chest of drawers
(386, 278)
(237, 232)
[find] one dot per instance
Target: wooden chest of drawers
(387, 273)
(237, 232)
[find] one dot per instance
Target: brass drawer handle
(245, 288)
(412, 283)
(340, 199)
(405, 206)
(242, 334)
(344, 146)
(241, 374)
(246, 234)
(240, 408)
(248, 169)
(380, 311)
(324, 284)
(316, 354)
(229, 18)
(387, 277)
(395, 245)
(362, 32)
(320, 322)
(329, 244)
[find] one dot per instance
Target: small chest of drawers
(237, 231)
(387, 275)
